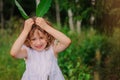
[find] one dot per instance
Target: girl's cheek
(32, 42)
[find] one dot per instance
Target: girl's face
(38, 41)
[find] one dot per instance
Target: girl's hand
(41, 22)
(28, 24)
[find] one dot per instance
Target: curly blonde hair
(50, 39)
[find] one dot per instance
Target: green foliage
(89, 47)
(43, 7)
(81, 10)
(70, 60)
(86, 14)
(13, 25)
(10, 69)
(71, 65)
(82, 52)
(23, 13)
(111, 69)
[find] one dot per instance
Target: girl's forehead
(38, 32)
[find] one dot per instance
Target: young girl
(39, 44)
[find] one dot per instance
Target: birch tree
(37, 2)
(79, 21)
(70, 15)
(57, 12)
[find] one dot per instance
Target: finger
(38, 19)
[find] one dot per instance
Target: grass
(10, 68)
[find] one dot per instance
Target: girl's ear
(27, 43)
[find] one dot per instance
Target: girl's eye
(33, 39)
(41, 37)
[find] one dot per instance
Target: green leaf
(43, 7)
(21, 10)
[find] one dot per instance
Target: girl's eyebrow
(32, 38)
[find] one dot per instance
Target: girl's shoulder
(51, 50)
(27, 48)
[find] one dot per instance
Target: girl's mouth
(40, 46)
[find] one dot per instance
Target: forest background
(92, 25)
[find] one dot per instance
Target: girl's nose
(38, 41)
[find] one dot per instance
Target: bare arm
(63, 40)
(16, 50)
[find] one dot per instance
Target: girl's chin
(40, 49)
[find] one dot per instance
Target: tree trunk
(57, 13)
(96, 75)
(78, 24)
(37, 2)
(97, 67)
(92, 18)
(70, 15)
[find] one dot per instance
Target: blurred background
(92, 25)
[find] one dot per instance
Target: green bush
(70, 60)
(111, 70)
(80, 57)
(10, 69)
(13, 25)
(71, 65)
(88, 48)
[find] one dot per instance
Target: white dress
(41, 65)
